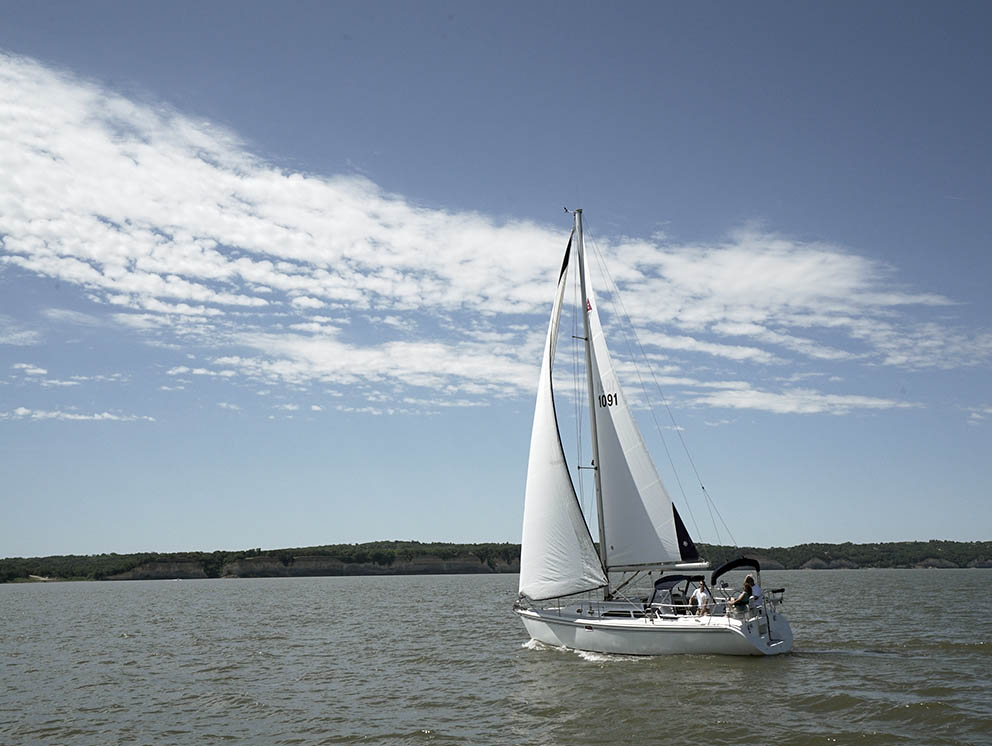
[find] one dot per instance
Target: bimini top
(670, 581)
(733, 565)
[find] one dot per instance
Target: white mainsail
(557, 556)
(637, 511)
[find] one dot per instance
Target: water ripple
(330, 661)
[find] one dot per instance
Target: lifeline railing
(720, 606)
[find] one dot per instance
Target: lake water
(881, 657)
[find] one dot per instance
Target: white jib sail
(637, 511)
(557, 555)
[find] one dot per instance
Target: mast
(594, 433)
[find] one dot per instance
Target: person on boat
(740, 603)
(756, 592)
(701, 599)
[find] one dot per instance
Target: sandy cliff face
(162, 571)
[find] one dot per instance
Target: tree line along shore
(412, 557)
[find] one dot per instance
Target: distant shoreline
(417, 558)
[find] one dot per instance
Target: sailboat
(575, 592)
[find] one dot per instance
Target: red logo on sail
(588, 305)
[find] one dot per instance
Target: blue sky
(278, 274)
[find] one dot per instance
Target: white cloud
(181, 370)
(383, 411)
(298, 359)
(13, 333)
(24, 413)
(34, 374)
(978, 414)
(807, 347)
(141, 321)
(134, 204)
(305, 301)
(29, 370)
(186, 238)
(399, 323)
(766, 288)
(685, 343)
(796, 401)
(66, 316)
(57, 383)
(102, 378)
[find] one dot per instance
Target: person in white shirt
(756, 596)
(701, 599)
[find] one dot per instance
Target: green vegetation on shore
(933, 553)
(500, 557)
(104, 566)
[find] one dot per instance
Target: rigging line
(622, 313)
(709, 507)
(729, 532)
(634, 576)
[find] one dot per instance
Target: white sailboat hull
(703, 635)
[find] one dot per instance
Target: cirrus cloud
(25, 413)
(172, 229)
